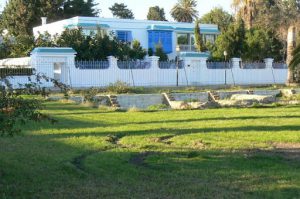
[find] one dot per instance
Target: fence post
(269, 66)
(113, 61)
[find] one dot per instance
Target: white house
(149, 33)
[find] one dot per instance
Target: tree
(184, 11)
(19, 16)
(232, 41)
(137, 52)
(73, 8)
(247, 10)
(198, 37)
(156, 13)
(217, 16)
(121, 11)
(260, 44)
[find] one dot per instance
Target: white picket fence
(193, 71)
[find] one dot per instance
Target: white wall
(195, 73)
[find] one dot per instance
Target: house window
(161, 37)
(125, 36)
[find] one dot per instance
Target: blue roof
(160, 27)
(87, 25)
(53, 50)
(194, 54)
(202, 30)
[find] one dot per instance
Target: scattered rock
(253, 98)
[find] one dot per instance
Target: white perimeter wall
(195, 73)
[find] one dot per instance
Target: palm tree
(294, 65)
(293, 54)
(184, 11)
(247, 10)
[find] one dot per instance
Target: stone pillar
(235, 63)
(269, 62)
(203, 61)
(291, 45)
(113, 62)
(154, 61)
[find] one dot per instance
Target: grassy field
(92, 153)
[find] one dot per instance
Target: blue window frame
(125, 36)
(165, 38)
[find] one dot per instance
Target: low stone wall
(267, 92)
(139, 101)
(201, 97)
(228, 94)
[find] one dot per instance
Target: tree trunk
(291, 44)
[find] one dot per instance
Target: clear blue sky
(140, 7)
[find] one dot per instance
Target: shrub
(89, 94)
(160, 53)
(16, 108)
(119, 87)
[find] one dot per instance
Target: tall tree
(247, 10)
(184, 11)
(198, 37)
(19, 16)
(232, 41)
(156, 13)
(217, 16)
(121, 11)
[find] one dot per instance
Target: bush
(16, 108)
(119, 87)
(89, 94)
(160, 53)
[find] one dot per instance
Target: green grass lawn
(92, 153)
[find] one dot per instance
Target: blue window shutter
(125, 36)
(163, 37)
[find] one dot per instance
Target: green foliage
(217, 16)
(118, 87)
(159, 52)
(156, 13)
(19, 17)
(21, 46)
(137, 52)
(184, 11)
(44, 40)
(296, 58)
(121, 11)
(16, 109)
(261, 44)
(232, 41)
(89, 94)
(150, 52)
(198, 38)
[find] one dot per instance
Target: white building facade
(148, 33)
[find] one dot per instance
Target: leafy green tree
(184, 11)
(260, 44)
(72, 8)
(121, 11)
(21, 46)
(44, 40)
(198, 37)
(232, 41)
(19, 16)
(156, 13)
(218, 16)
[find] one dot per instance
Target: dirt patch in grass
(163, 139)
(139, 159)
(288, 151)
